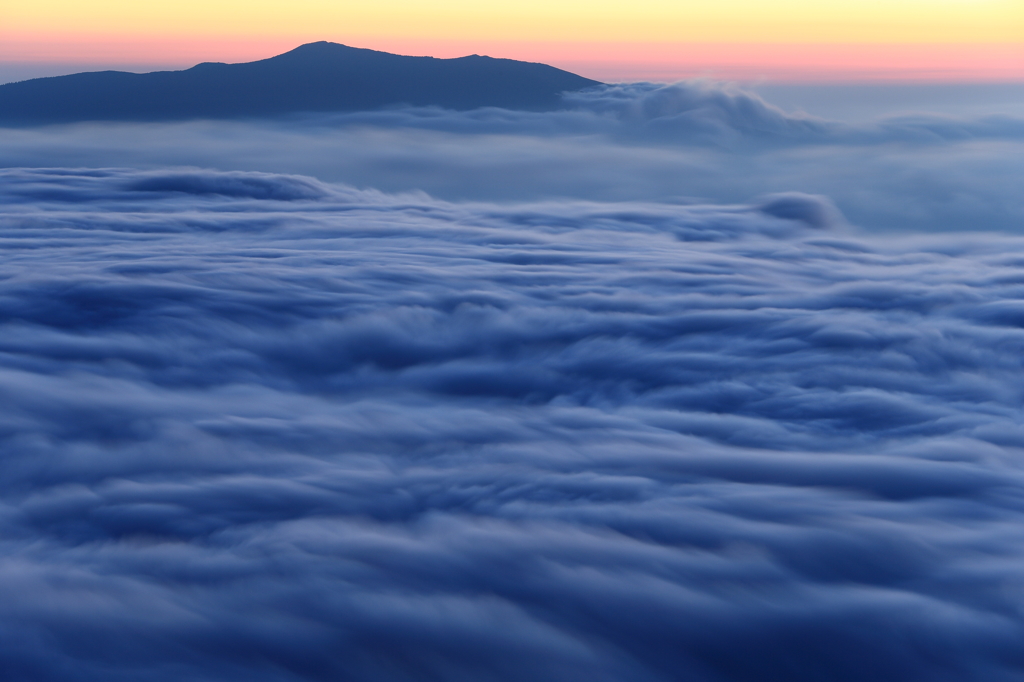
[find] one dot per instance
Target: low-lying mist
(685, 143)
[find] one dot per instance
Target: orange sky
(653, 39)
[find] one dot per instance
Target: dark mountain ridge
(317, 77)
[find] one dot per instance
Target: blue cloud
(694, 142)
(265, 427)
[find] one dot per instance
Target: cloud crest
(266, 427)
(691, 142)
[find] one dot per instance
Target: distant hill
(316, 77)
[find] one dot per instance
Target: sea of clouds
(265, 427)
(691, 142)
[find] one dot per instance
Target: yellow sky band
(781, 21)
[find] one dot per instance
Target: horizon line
(807, 63)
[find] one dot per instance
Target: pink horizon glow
(601, 61)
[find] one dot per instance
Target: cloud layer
(683, 143)
(264, 427)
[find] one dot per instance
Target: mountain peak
(315, 77)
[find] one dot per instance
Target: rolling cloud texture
(689, 142)
(262, 427)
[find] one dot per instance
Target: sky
(662, 40)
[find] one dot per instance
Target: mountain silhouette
(316, 77)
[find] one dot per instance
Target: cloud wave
(691, 142)
(265, 427)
